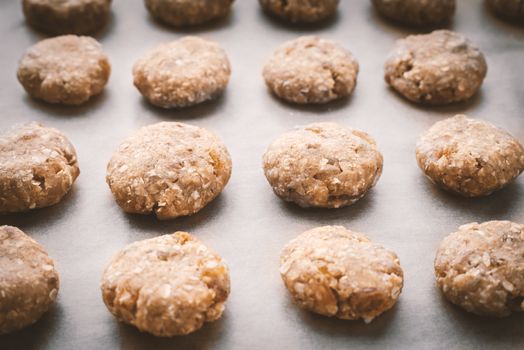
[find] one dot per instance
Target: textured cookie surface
(182, 73)
(28, 280)
(38, 166)
(322, 165)
(481, 267)
(301, 11)
(469, 157)
(512, 9)
(67, 69)
(169, 168)
(188, 12)
(437, 68)
(336, 272)
(168, 285)
(416, 12)
(311, 70)
(67, 17)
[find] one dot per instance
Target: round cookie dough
(169, 168)
(67, 17)
(333, 271)
(68, 69)
(182, 73)
(168, 285)
(28, 280)
(38, 166)
(469, 157)
(481, 267)
(311, 70)
(416, 12)
(511, 9)
(301, 11)
(438, 68)
(180, 13)
(322, 165)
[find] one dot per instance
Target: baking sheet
(247, 224)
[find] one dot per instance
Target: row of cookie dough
(173, 169)
(173, 284)
(437, 68)
(88, 16)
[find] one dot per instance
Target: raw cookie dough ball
(182, 73)
(416, 12)
(336, 272)
(322, 165)
(171, 169)
(481, 267)
(311, 70)
(67, 69)
(301, 11)
(437, 68)
(469, 157)
(67, 16)
(38, 167)
(511, 9)
(168, 285)
(181, 13)
(28, 280)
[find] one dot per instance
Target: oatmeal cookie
(38, 166)
(438, 68)
(510, 9)
(167, 286)
(301, 11)
(182, 73)
(180, 13)
(469, 157)
(416, 12)
(29, 281)
(67, 69)
(481, 267)
(311, 70)
(333, 271)
(322, 165)
(169, 168)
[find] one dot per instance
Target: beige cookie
(67, 70)
(322, 165)
(301, 11)
(180, 13)
(333, 271)
(510, 9)
(469, 157)
(416, 12)
(38, 166)
(67, 16)
(481, 267)
(28, 280)
(438, 68)
(168, 285)
(182, 73)
(170, 169)
(311, 70)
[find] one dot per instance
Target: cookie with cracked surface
(167, 286)
(510, 9)
(311, 70)
(480, 268)
(416, 12)
(438, 68)
(469, 157)
(301, 11)
(29, 282)
(333, 271)
(67, 70)
(58, 17)
(182, 73)
(322, 165)
(38, 167)
(170, 169)
(180, 13)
